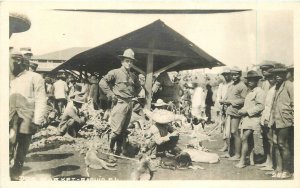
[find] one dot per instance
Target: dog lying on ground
(92, 160)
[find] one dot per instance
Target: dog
(144, 171)
(92, 160)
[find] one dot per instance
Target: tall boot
(119, 144)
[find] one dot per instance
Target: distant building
(49, 61)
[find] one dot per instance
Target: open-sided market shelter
(157, 48)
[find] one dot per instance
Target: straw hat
(160, 102)
(128, 53)
(163, 116)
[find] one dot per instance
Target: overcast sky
(236, 39)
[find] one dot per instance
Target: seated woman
(251, 113)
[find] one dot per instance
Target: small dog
(144, 170)
(92, 160)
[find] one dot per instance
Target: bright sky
(236, 39)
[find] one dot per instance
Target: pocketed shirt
(121, 83)
(236, 94)
(254, 105)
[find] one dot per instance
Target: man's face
(280, 77)
(236, 77)
(252, 82)
(227, 77)
(271, 80)
(264, 71)
(127, 63)
(16, 64)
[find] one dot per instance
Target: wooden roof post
(149, 77)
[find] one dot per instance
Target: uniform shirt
(283, 106)
(254, 105)
(124, 83)
(236, 95)
(28, 99)
(60, 89)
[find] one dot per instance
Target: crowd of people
(256, 115)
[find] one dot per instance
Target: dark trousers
(208, 112)
(20, 150)
(284, 141)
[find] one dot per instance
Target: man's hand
(242, 112)
(113, 98)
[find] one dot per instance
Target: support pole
(149, 78)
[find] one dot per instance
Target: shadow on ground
(55, 171)
(47, 157)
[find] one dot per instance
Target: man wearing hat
(72, 119)
(265, 68)
(251, 113)
(27, 108)
(290, 75)
(60, 89)
(283, 122)
(221, 108)
(235, 100)
(94, 92)
(267, 129)
(162, 136)
(33, 66)
(121, 86)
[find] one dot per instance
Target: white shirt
(198, 102)
(221, 93)
(60, 89)
(28, 96)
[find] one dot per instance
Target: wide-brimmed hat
(160, 102)
(128, 53)
(163, 116)
(235, 70)
(78, 99)
(266, 65)
(290, 68)
(279, 70)
(253, 74)
(93, 80)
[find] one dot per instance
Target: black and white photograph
(148, 91)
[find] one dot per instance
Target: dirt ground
(57, 164)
